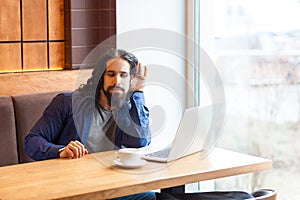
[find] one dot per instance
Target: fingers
(145, 72)
(138, 68)
(74, 150)
(141, 70)
(138, 81)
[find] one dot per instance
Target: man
(106, 113)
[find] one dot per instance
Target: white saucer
(130, 166)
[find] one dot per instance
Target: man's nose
(117, 79)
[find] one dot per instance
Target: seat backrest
(28, 109)
(265, 194)
(8, 142)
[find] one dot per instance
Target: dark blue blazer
(68, 117)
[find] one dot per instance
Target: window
(255, 46)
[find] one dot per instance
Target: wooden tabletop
(95, 177)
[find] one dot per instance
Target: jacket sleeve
(133, 122)
(42, 141)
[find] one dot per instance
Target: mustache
(115, 87)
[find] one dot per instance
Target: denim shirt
(69, 116)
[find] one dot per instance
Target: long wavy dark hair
(95, 82)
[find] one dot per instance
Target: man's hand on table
(74, 149)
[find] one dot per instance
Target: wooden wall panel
(36, 82)
(56, 55)
(56, 19)
(35, 56)
(10, 26)
(10, 57)
(34, 17)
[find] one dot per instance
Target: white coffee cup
(128, 156)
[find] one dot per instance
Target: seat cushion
(28, 109)
(8, 142)
(214, 195)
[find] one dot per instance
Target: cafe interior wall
(134, 16)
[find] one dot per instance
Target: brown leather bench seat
(8, 141)
(17, 115)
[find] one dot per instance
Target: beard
(115, 99)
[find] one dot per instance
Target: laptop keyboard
(160, 154)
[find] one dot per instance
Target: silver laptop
(190, 136)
